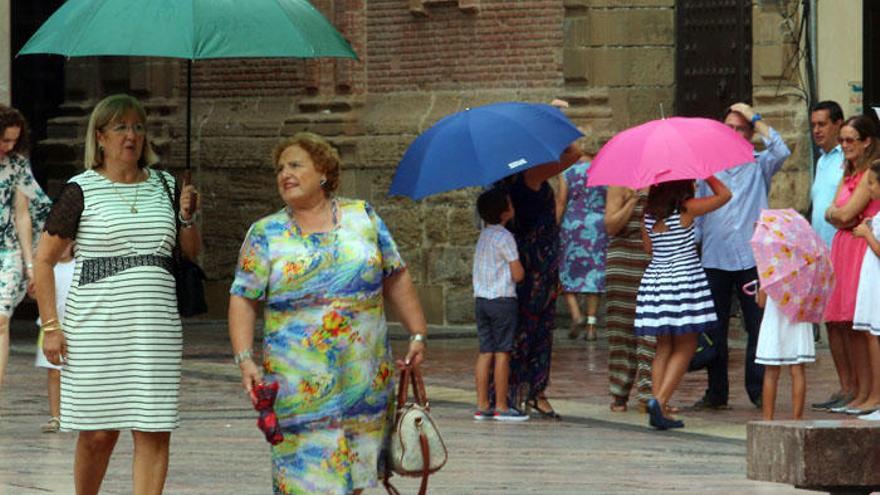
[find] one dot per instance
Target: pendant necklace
(132, 205)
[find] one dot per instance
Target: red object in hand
(267, 422)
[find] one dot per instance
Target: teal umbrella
(189, 29)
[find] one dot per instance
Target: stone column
(5, 53)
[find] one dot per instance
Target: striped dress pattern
(674, 296)
(123, 331)
(629, 357)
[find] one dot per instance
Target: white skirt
(782, 342)
(867, 315)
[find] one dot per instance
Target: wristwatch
(756, 117)
(419, 337)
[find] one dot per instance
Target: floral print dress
(325, 342)
(15, 174)
(583, 238)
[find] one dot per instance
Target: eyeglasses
(847, 140)
(139, 129)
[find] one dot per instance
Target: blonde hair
(106, 112)
(323, 155)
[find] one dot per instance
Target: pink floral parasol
(668, 149)
(794, 264)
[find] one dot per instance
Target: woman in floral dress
(324, 267)
(23, 208)
(583, 245)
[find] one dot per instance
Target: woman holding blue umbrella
(537, 240)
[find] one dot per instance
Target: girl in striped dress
(674, 302)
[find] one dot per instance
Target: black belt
(94, 269)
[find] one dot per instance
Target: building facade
(618, 62)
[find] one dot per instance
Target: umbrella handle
(750, 288)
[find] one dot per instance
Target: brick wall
(506, 44)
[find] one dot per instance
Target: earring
(101, 148)
(323, 181)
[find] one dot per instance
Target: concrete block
(767, 28)
(460, 306)
(576, 31)
(437, 225)
(631, 27)
(809, 454)
(631, 66)
(405, 224)
(463, 229)
(633, 106)
(769, 61)
(575, 65)
(450, 265)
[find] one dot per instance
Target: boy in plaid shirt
(496, 271)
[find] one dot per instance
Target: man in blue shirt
(727, 254)
(826, 119)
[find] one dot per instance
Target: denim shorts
(496, 323)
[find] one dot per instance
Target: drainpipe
(809, 11)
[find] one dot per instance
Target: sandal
(618, 404)
(575, 328)
(591, 329)
(52, 426)
(547, 413)
(667, 409)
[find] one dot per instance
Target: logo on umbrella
(517, 163)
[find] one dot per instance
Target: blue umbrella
(479, 146)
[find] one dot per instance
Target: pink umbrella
(794, 264)
(668, 149)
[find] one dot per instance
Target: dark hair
(835, 113)
(10, 117)
(728, 111)
(875, 168)
(866, 128)
(491, 204)
(666, 198)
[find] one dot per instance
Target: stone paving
(218, 449)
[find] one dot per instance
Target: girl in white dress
(867, 317)
(782, 342)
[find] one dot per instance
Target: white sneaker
(874, 416)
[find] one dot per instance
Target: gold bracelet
(52, 327)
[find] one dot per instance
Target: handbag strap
(411, 375)
(170, 196)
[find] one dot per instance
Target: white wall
(839, 47)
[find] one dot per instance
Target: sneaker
(483, 415)
(706, 404)
(874, 416)
(51, 426)
(510, 415)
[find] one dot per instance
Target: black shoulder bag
(189, 276)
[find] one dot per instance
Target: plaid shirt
(496, 249)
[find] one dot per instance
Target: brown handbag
(416, 447)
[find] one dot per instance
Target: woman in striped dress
(674, 302)
(629, 357)
(121, 343)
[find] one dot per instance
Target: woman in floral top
(323, 266)
(23, 208)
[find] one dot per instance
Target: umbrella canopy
(794, 264)
(481, 145)
(190, 29)
(670, 149)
